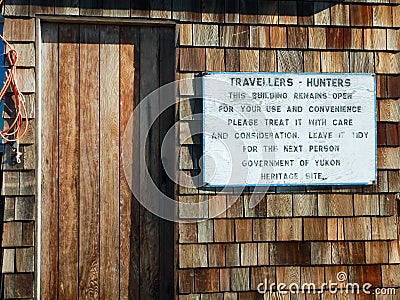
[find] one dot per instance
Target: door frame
(38, 147)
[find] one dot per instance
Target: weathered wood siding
(294, 235)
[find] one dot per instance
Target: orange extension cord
(17, 128)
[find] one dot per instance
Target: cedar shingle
(224, 280)
(260, 274)
(279, 205)
(365, 274)
(268, 61)
(389, 158)
(289, 229)
(25, 259)
(376, 252)
(366, 205)
(358, 228)
(215, 60)
(205, 231)
(393, 39)
(312, 61)
(240, 279)
(234, 36)
(235, 206)
(384, 228)
(321, 253)
(264, 230)
(19, 30)
(340, 15)
(186, 281)
(259, 36)
(263, 254)
(18, 285)
(393, 85)
(392, 135)
(278, 37)
(223, 230)
(352, 38)
(185, 34)
(389, 110)
(216, 255)
(305, 205)
(394, 252)
(249, 60)
(391, 275)
(243, 230)
(315, 229)
(374, 39)
(206, 280)
(232, 255)
(381, 134)
(217, 206)
(394, 180)
(382, 16)
(335, 205)
(387, 62)
(334, 38)
(232, 61)
(248, 254)
(290, 253)
(312, 275)
(360, 15)
(288, 275)
(192, 59)
(205, 35)
(316, 38)
(187, 233)
(297, 37)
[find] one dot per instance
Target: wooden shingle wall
(304, 235)
(18, 180)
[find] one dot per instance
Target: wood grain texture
(68, 160)
(149, 230)
(89, 231)
(50, 171)
(109, 162)
(129, 208)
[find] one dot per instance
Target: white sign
(289, 129)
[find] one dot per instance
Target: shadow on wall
(249, 7)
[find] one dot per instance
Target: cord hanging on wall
(19, 124)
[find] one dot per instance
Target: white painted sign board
(289, 129)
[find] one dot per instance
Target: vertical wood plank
(69, 159)
(49, 255)
(167, 228)
(89, 163)
(109, 162)
(129, 208)
(149, 230)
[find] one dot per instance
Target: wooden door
(96, 240)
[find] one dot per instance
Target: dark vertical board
(149, 230)
(89, 163)
(68, 160)
(167, 75)
(109, 162)
(49, 255)
(129, 207)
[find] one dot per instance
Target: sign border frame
(205, 184)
